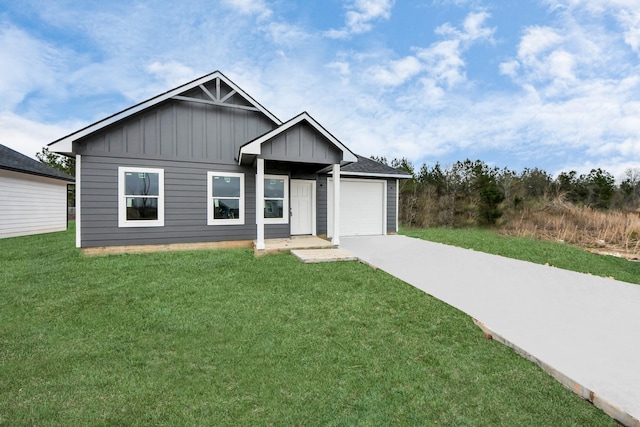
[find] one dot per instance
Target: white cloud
(510, 68)
(561, 64)
(337, 34)
(473, 28)
(29, 137)
(397, 72)
(171, 73)
(630, 148)
(343, 68)
(28, 65)
(580, 97)
(630, 20)
(442, 61)
(364, 11)
(536, 41)
(431, 93)
(626, 12)
(558, 61)
(251, 7)
(109, 79)
(282, 33)
(360, 16)
(542, 58)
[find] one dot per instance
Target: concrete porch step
(323, 255)
(292, 243)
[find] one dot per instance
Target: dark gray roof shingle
(14, 161)
(365, 165)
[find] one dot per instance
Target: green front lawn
(557, 254)
(224, 338)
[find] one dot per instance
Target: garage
(362, 206)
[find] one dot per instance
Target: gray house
(33, 196)
(205, 162)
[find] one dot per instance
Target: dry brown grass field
(605, 232)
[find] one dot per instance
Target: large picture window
(141, 197)
(225, 198)
(276, 199)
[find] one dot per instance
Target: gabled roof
(367, 167)
(17, 162)
(64, 144)
(253, 148)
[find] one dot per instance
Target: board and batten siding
(301, 144)
(31, 204)
(178, 130)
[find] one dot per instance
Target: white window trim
(285, 201)
(122, 200)
(210, 219)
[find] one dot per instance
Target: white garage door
(362, 207)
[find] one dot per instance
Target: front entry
(303, 207)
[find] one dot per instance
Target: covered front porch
(300, 141)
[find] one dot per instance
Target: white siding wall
(31, 204)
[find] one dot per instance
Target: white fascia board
(380, 175)
(251, 148)
(63, 147)
(68, 140)
(254, 147)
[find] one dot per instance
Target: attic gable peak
(218, 92)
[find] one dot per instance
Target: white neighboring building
(33, 196)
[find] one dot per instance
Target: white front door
(302, 207)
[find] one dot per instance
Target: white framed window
(140, 197)
(225, 198)
(276, 199)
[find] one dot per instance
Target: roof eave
(373, 174)
(44, 175)
(64, 147)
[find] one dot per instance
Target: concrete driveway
(585, 327)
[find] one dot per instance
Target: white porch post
(397, 203)
(260, 204)
(336, 205)
(78, 196)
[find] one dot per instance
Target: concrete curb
(589, 395)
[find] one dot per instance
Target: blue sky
(553, 84)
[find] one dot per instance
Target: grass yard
(223, 338)
(560, 255)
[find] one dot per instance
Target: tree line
(469, 193)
